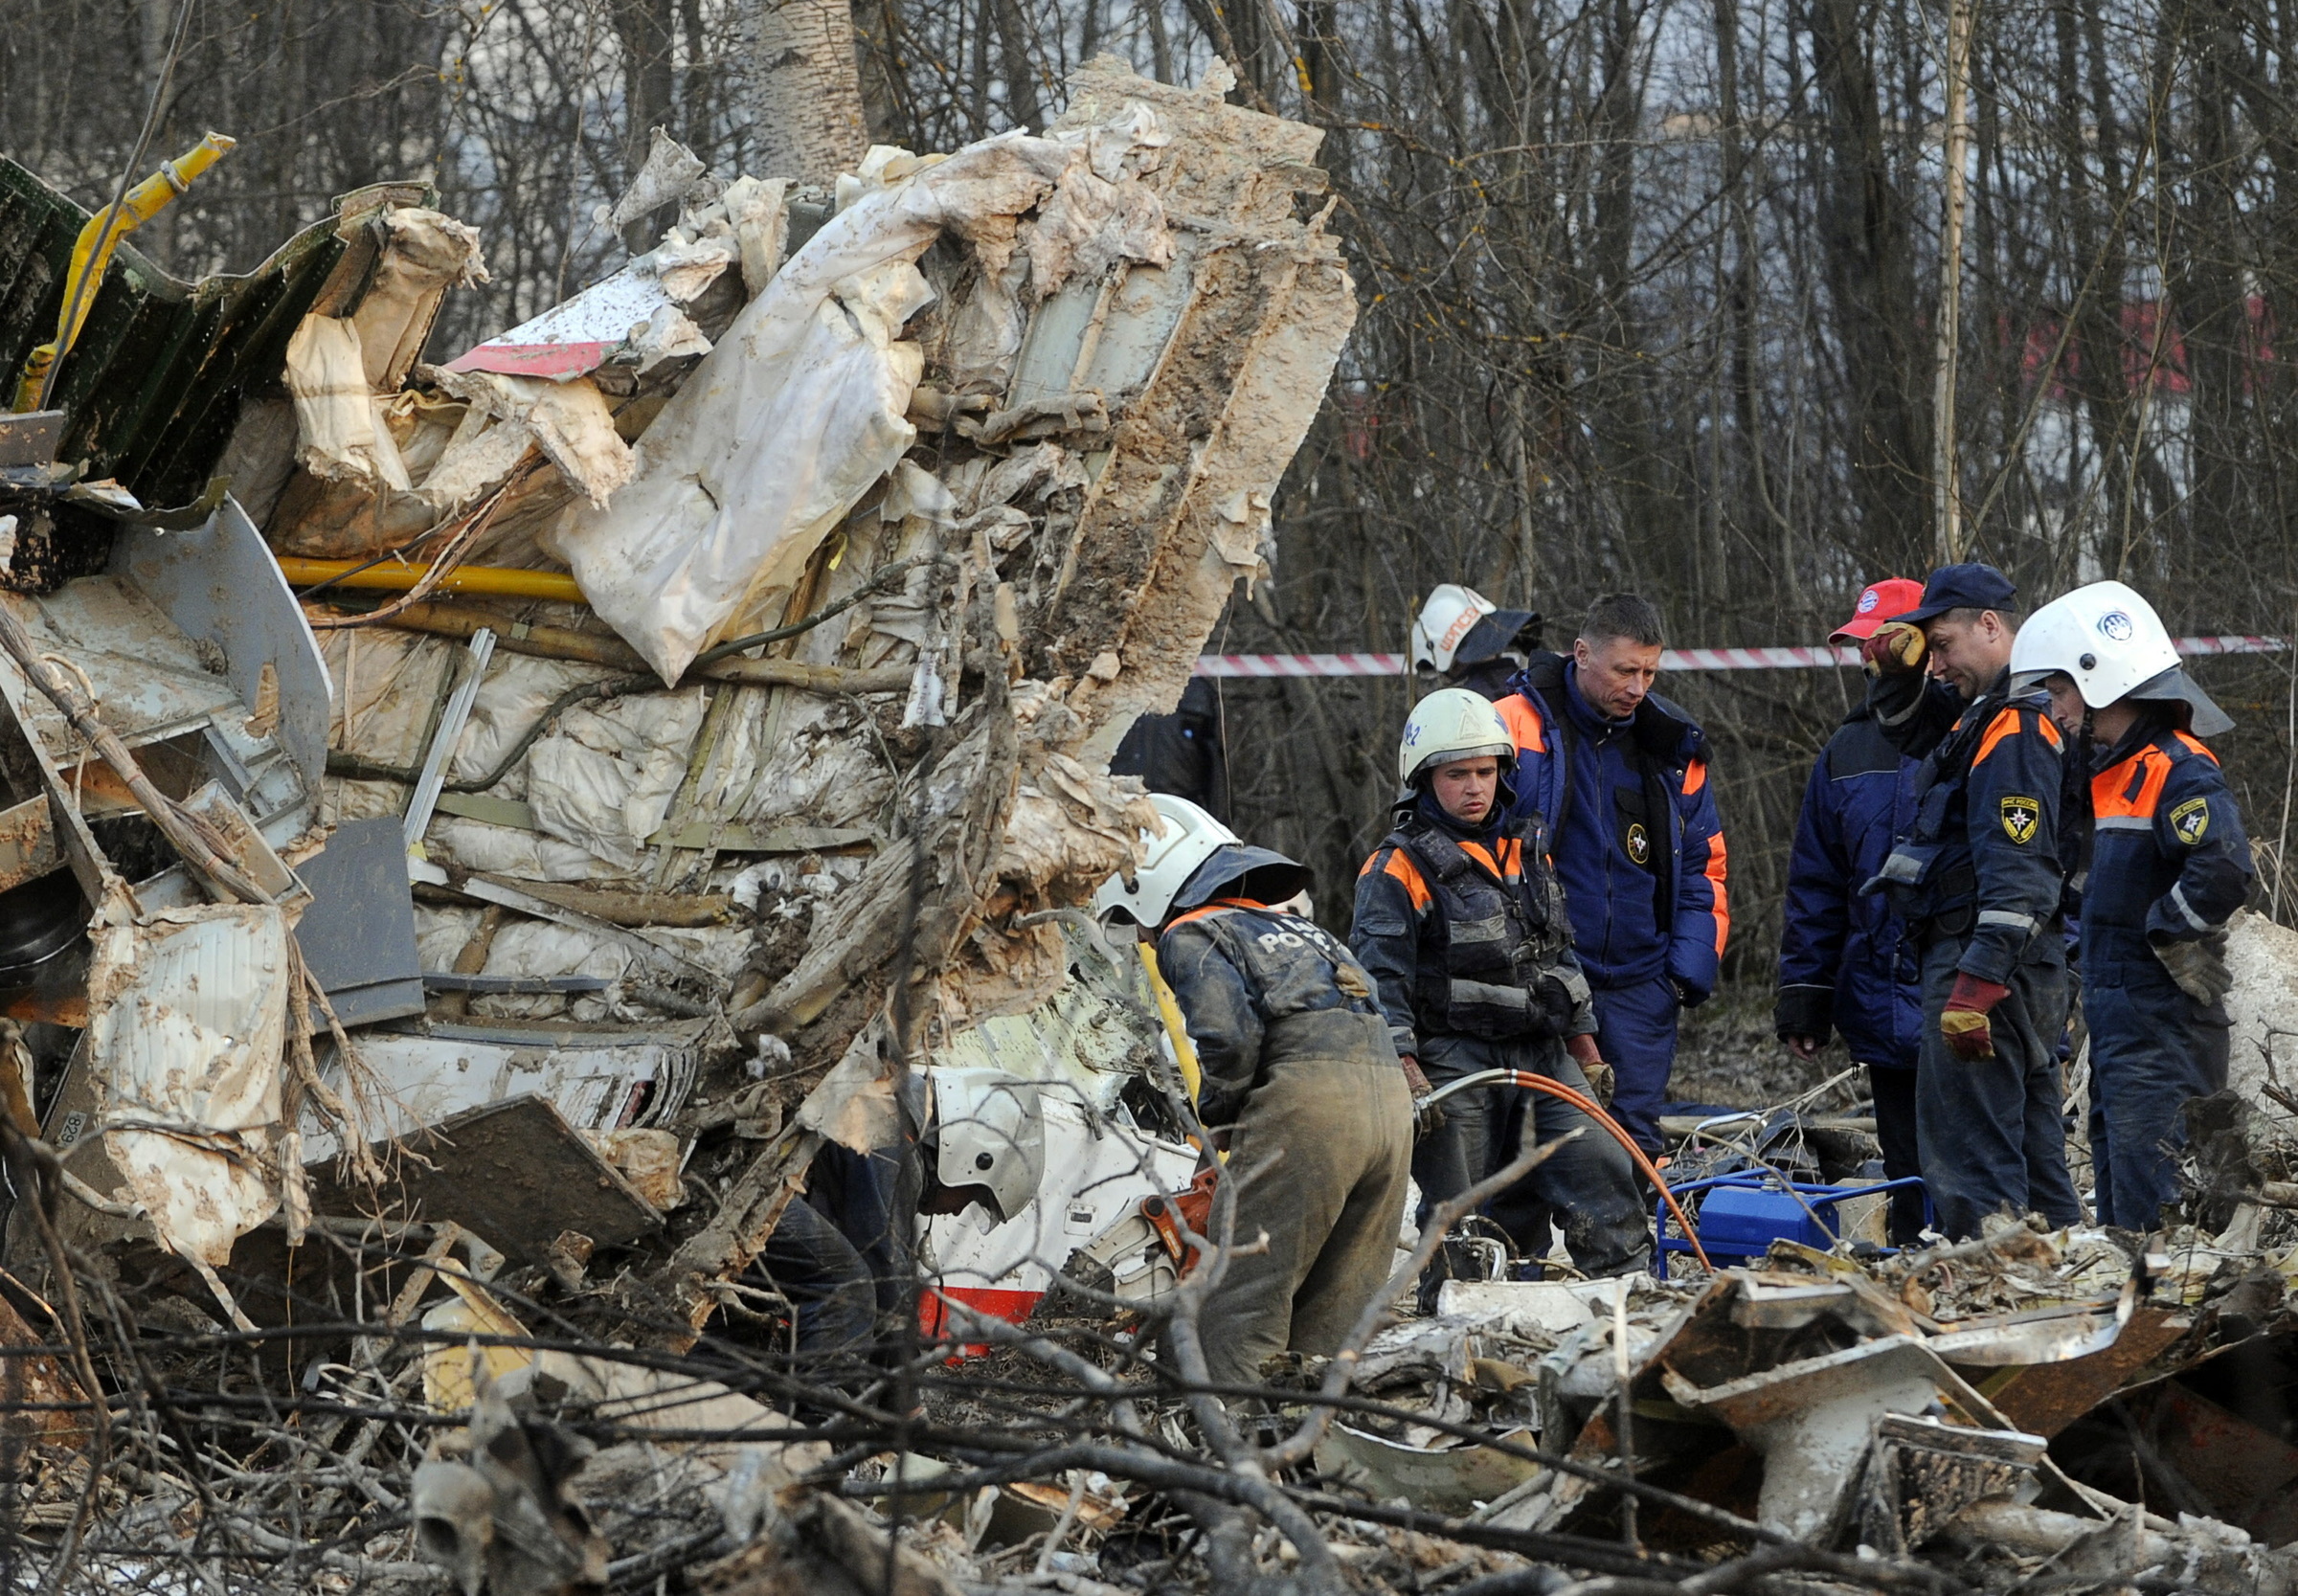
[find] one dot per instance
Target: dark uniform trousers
(2169, 863)
(1588, 1187)
(1990, 1130)
(1978, 879)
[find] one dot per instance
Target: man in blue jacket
(1620, 774)
(1845, 963)
(1976, 882)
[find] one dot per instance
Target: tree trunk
(1870, 270)
(806, 95)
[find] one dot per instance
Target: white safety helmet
(2109, 641)
(989, 1131)
(1186, 837)
(2104, 636)
(1445, 623)
(1452, 723)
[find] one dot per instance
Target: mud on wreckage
(531, 886)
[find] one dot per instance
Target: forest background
(1650, 293)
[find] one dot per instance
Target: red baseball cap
(1883, 600)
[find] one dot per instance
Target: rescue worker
(1845, 961)
(2169, 864)
(1975, 880)
(1620, 774)
(1462, 926)
(1472, 642)
(1299, 1082)
(1184, 753)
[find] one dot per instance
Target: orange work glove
(1895, 649)
(1964, 1022)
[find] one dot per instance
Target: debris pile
(550, 1042)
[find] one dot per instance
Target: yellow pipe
(498, 580)
(1178, 1032)
(107, 227)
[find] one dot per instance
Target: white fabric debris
(459, 844)
(1035, 472)
(604, 779)
(756, 212)
(545, 948)
(426, 254)
(1096, 217)
(567, 419)
(338, 417)
(670, 175)
(187, 1017)
(440, 931)
(799, 410)
(687, 266)
(2263, 957)
(518, 690)
(669, 334)
(341, 370)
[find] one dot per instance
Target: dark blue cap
(1971, 586)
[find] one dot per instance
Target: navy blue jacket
(1982, 861)
(1631, 825)
(2168, 859)
(1845, 963)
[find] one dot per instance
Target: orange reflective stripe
(2196, 744)
(2005, 725)
(1695, 777)
(1512, 856)
(1401, 867)
(1715, 877)
(1524, 724)
(1219, 905)
(2133, 788)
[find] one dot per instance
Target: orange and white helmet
(1459, 627)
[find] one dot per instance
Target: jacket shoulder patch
(2021, 817)
(2191, 821)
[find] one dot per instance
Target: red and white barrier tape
(1790, 658)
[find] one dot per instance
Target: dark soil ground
(1727, 1055)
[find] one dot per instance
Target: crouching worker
(1461, 922)
(1299, 1082)
(2168, 867)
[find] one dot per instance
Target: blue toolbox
(1742, 1215)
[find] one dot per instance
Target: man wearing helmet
(2168, 866)
(1472, 642)
(1461, 923)
(1846, 963)
(1299, 1076)
(1975, 880)
(1620, 774)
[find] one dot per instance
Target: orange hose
(1587, 1106)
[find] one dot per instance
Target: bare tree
(806, 89)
